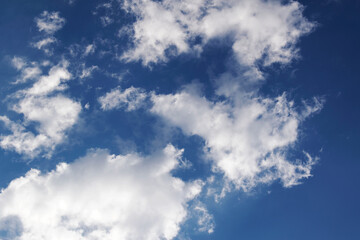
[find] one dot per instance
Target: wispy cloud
(129, 99)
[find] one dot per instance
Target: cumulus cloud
(258, 30)
(129, 99)
(49, 22)
(43, 105)
(100, 196)
(246, 137)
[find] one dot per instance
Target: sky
(191, 119)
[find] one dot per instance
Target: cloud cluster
(100, 197)
(43, 105)
(245, 137)
(48, 23)
(257, 29)
(103, 196)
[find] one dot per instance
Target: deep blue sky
(325, 206)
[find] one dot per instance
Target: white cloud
(87, 72)
(51, 112)
(51, 82)
(54, 114)
(246, 137)
(130, 99)
(205, 220)
(49, 22)
(156, 30)
(29, 71)
(18, 62)
(100, 196)
(45, 44)
(87, 106)
(90, 49)
(258, 29)
(22, 141)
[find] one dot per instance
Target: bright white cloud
(51, 112)
(258, 29)
(54, 114)
(22, 141)
(245, 137)
(51, 82)
(49, 22)
(156, 30)
(130, 99)
(100, 197)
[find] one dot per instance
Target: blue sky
(144, 119)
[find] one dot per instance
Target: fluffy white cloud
(258, 29)
(49, 22)
(22, 141)
(100, 197)
(245, 136)
(156, 30)
(51, 112)
(130, 99)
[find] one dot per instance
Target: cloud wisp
(246, 136)
(129, 99)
